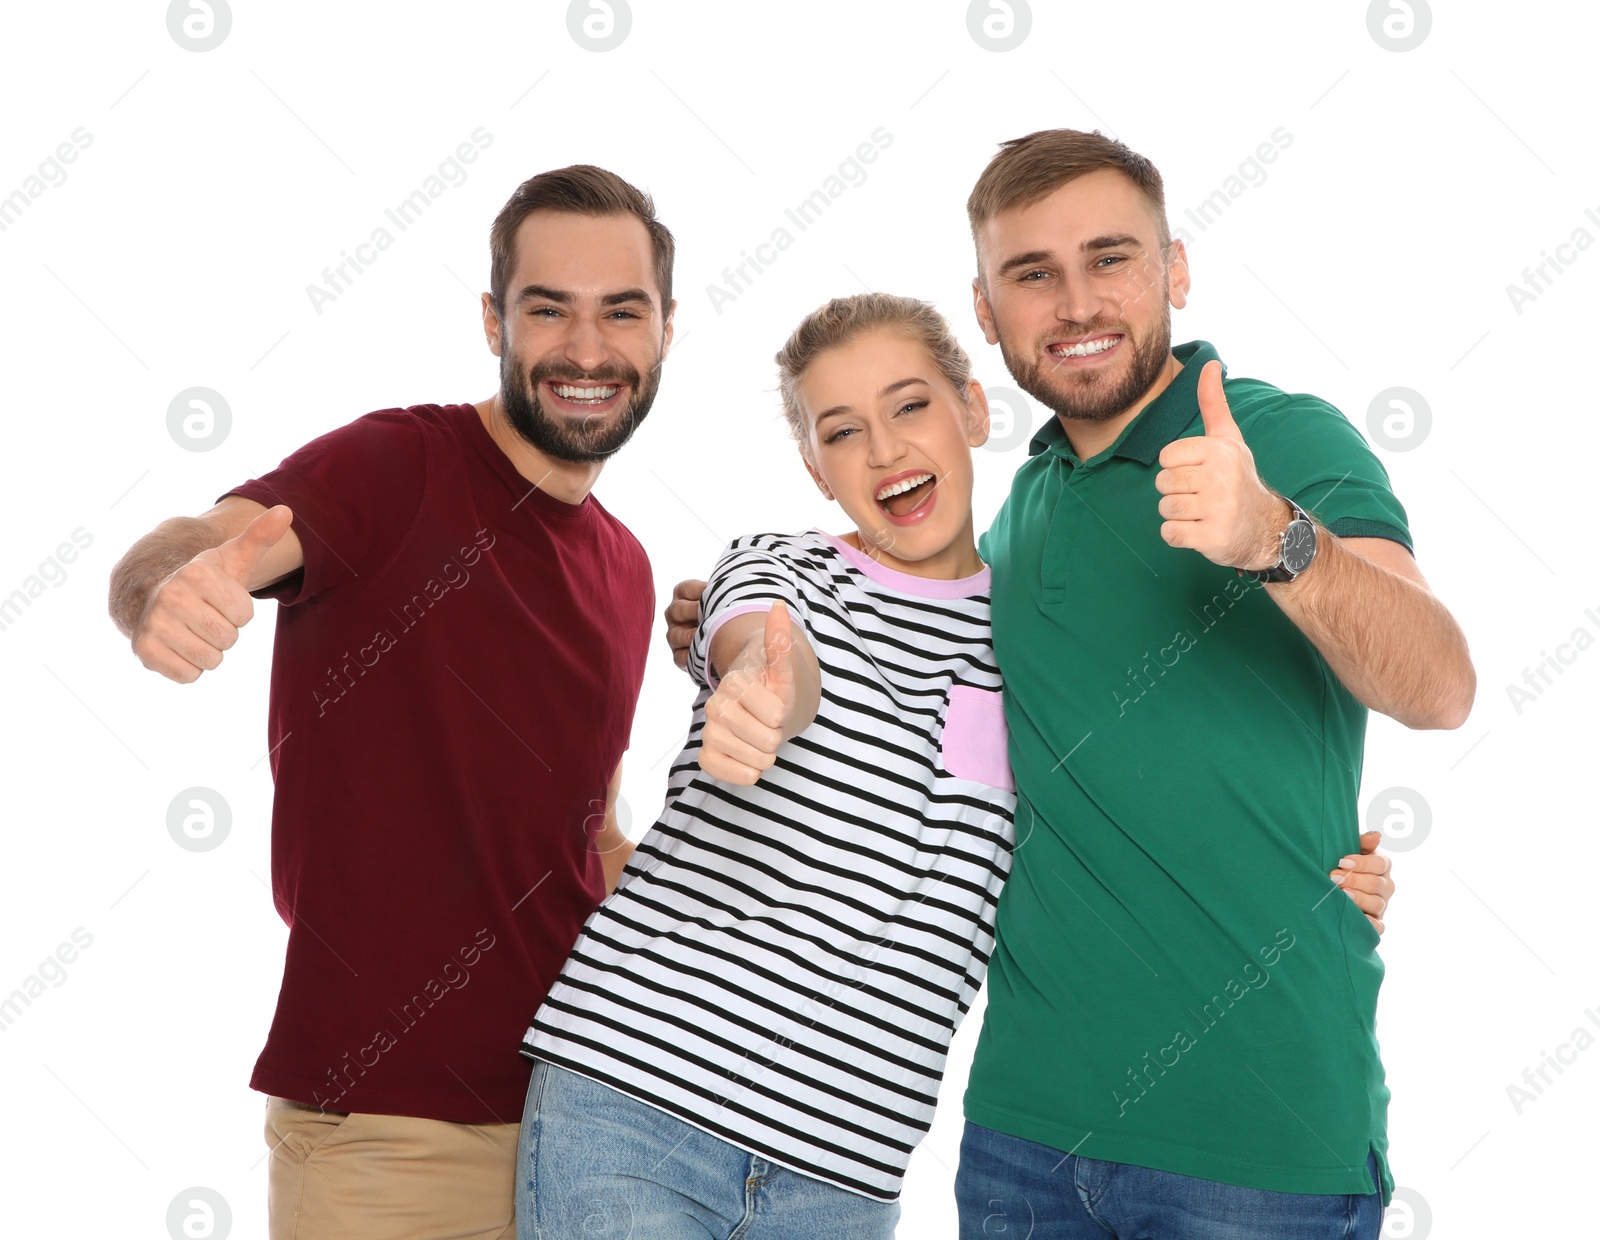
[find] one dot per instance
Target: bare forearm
(1389, 640)
(150, 561)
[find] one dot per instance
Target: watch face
(1299, 544)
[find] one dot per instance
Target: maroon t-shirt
(453, 683)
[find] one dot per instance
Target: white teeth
(1088, 348)
(904, 485)
(568, 391)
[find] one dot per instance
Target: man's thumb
(779, 641)
(1214, 411)
(241, 553)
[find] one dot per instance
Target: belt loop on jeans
(760, 1171)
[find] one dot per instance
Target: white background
(217, 185)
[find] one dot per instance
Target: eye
(625, 314)
(542, 311)
(1029, 276)
(839, 434)
(916, 404)
(1110, 258)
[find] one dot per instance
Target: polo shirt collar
(1158, 423)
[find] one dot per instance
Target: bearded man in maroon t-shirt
(460, 644)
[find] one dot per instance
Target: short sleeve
(748, 578)
(355, 492)
(1309, 452)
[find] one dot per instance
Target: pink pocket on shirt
(975, 737)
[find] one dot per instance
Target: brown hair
(1030, 168)
(582, 189)
(844, 319)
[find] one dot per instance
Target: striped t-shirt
(784, 965)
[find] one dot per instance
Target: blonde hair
(843, 320)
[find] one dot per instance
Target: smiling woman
(882, 402)
(770, 994)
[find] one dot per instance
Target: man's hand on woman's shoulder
(683, 619)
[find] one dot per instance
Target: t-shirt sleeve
(355, 492)
(1310, 453)
(746, 579)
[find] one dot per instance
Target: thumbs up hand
(1212, 499)
(239, 556)
(197, 612)
(777, 674)
(749, 715)
(1215, 415)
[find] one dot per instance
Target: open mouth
(583, 397)
(907, 497)
(1086, 350)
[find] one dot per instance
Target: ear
(666, 331)
(985, 312)
(491, 324)
(977, 414)
(1178, 275)
(815, 476)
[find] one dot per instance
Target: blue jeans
(1008, 1188)
(594, 1162)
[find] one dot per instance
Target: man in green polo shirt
(1201, 585)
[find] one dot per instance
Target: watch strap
(1279, 573)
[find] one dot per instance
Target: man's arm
(614, 847)
(1366, 607)
(1364, 875)
(182, 592)
(1362, 602)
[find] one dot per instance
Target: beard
(1093, 396)
(585, 440)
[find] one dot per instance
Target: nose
(1080, 302)
(584, 345)
(885, 447)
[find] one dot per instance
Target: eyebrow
(1109, 241)
(888, 391)
(544, 292)
(1025, 260)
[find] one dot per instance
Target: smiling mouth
(905, 495)
(1094, 346)
(585, 395)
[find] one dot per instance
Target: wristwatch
(1299, 546)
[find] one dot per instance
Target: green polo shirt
(1176, 983)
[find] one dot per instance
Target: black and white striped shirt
(784, 965)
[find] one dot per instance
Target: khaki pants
(355, 1176)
